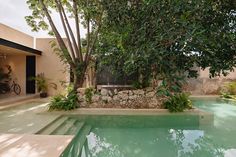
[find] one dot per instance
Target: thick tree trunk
(78, 81)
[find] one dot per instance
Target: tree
(167, 39)
(87, 12)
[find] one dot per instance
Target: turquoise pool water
(158, 136)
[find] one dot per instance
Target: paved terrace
(12, 145)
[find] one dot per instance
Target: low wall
(108, 98)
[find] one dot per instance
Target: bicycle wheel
(17, 89)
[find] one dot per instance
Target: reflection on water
(150, 142)
(167, 136)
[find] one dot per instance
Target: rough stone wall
(141, 98)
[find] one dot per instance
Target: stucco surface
(49, 64)
(11, 34)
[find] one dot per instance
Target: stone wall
(141, 98)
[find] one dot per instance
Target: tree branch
(88, 33)
(57, 34)
(70, 30)
(77, 29)
(66, 31)
(87, 56)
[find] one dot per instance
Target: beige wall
(11, 34)
(49, 64)
(204, 85)
(18, 64)
(205, 74)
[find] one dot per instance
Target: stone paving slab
(8, 100)
(16, 145)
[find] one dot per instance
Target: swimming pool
(171, 135)
(158, 136)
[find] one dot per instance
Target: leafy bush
(61, 102)
(88, 95)
(227, 96)
(42, 83)
(171, 85)
(230, 88)
(178, 103)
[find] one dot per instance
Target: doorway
(30, 72)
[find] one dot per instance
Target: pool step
(64, 127)
(75, 128)
(53, 126)
(83, 138)
(75, 147)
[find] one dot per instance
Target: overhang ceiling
(11, 48)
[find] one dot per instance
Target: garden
(159, 44)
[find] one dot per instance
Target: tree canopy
(154, 38)
(167, 38)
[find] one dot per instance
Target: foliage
(61, 102)
(229, 90)
(227, 95)
(5, 78)
(85, 12)
(42, 83)
(164, 39)
(88, 95)
(5, 75)
(171, 85)
(178, 103)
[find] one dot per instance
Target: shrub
(88, 95)
(178, 103)
(61, 102)
(230, 88)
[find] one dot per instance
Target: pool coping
(123, 112)
(19, 145)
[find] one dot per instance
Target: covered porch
(18, 64)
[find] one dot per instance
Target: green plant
(136, 85)
(231, 88)
(88, 95)
(5, 75)
(61, 102)
(42, 83)
(171, 85)
(178, 103)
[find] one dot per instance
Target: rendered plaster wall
(11, 34)
(18, 64)
(50, 64)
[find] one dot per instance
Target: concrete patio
(7, 99)
(12, 145)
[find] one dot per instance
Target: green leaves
(88, 95)
(173, 36)
(60, 102)
(178, 103)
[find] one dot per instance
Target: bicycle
(5, 87)
(16, 88)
